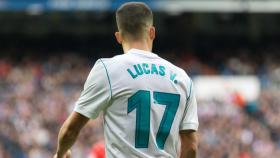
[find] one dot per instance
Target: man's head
(135, 23)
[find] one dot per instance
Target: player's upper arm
(75, 122)
(190, 118)
(97, 92)
(189, 143)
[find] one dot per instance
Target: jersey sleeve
(190, 118)
(96, 94)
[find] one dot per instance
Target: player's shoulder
(181, 73)
(175, 67)
(113, 62)
(115, 58)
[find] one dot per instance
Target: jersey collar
(141, 52)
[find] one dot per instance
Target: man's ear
(118, 37)
(152, 33)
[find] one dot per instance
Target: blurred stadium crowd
(36, 95)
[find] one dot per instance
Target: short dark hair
(133, 18)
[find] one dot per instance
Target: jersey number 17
(141, 101)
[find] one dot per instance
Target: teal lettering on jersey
(141, 102)
(131, 74)
(154, 69)
(146, 69)
(161, 70)
(172, 76)
(138, 69)
(171, 102)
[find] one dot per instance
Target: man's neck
(136, 45)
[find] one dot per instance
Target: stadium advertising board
(220, 87)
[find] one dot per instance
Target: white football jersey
(145, 101)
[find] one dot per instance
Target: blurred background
(230, 48)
